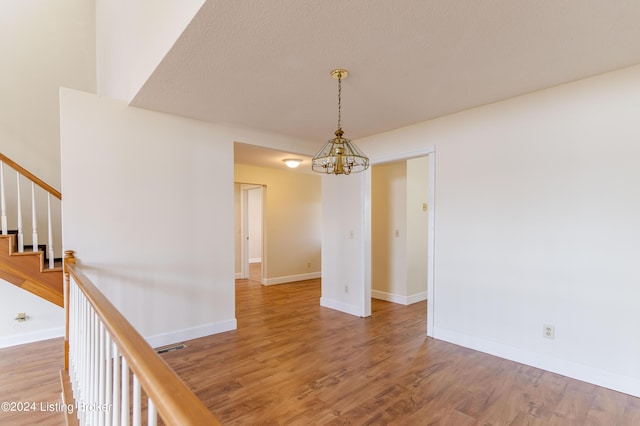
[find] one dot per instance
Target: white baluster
(90, 368)
(20, 234)
(74, 345)
(102, 367)
(2, 201)
(34, 217)
(88, 357)
(50, 233)
(152, 416)
(108, 375)
(78, 345)
(124, 394)
(137, 418)
(84, 361)
(95, 369)
(116, 386)
(72, 336)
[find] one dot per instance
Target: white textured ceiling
(265, 64)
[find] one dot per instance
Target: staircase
(34, 271)
(27, 271)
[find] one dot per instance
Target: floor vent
(165, 349)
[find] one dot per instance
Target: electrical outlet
(22, 317)
(308, 264)
(346, 289)
(548, 331)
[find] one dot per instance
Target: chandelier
(339, 156)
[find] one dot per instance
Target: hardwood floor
(292, 362)
(255, 271)
(30, 374)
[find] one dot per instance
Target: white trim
(340, 306)
(403, 155)
(397, 298)
(418, 297)
(570, 369)
(244, 226)
(291, 278)
(431, 245)
(179, 336)
(255, 260)
(30, 337)
(238, 275)
(366, 244)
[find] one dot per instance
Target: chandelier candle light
(339, 156)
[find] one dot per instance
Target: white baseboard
(396, 298)
(238, 275)
(571, 369)
(340, 306)
(291, 278)
(255, 260)
(30, 337)
(180, 336)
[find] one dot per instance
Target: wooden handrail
(33, 178)
(175, 402)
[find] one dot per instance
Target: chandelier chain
(339, 101)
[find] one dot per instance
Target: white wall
(133, 37)
(292, 225)
(536, 222)
(45, 320)
(389, 231)
(44, 44)
(417, 228)
(148, 207)
(254, 199)
(343, 252)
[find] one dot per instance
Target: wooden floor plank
(31, 374)
(294, 362)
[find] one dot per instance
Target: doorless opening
(430, 244)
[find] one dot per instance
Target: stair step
(27, 271)
(29, 248)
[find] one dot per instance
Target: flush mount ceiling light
(292, 163)
(339, 156)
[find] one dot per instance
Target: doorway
(399, 230)
(251, 232)
(429, 153)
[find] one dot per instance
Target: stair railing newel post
(34, 217)
(50, 233)
(20, 234)
(69, 259)
(3, 204)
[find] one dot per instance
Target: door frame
(244, 229)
